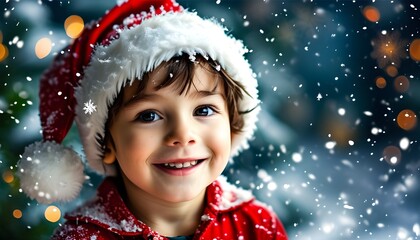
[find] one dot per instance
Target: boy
(168, 99)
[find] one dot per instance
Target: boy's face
(171, 146)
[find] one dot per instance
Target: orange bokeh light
(4, 52)
(392, 71)
(8, 176)
(380, 82)
(415, 49)
(371, 14)
(17, 213)
(389, 49)
(52, 213)
(43, 47)
(407, 119)
(401, 84)
(74, 26)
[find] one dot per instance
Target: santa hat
(131, 39)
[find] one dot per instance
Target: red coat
(231, 213)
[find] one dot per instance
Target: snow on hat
(131, 39)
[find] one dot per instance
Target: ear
(109, 157)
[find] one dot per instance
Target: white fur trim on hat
(141, 49)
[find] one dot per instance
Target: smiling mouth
(183, 165)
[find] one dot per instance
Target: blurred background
(337, 152)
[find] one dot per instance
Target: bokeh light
(371, 14)
(407, 119)
(392, 155)
(380, 82)
(392, 71)
(17, 213)
(43, 47)
(74, 26)
(52, 213)
(4, 52)
(401, 84)
(389, 49)
(404, 143)
(8, 176)
(415, 49)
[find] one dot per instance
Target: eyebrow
(198, 94)
(137, 98)
(205, 93)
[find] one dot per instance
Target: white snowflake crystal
(319, 97)
(89, 107)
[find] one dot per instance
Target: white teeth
(181, 165)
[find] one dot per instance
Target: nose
(180, 132)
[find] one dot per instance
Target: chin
(185, 194)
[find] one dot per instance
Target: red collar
(109, 211)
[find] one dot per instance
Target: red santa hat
(131, 39)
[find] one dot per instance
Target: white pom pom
(50, 172)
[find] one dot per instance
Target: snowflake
(89, 107)
(319, 97)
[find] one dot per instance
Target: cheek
(128, 143)
(221, 139)
(126, 139)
